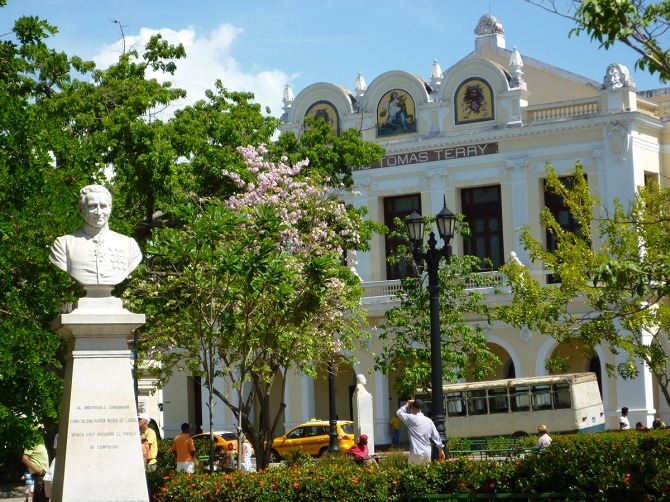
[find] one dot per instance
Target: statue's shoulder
(68, 238)
(122, 238)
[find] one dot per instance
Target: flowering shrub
(626, 465)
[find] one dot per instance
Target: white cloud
(207, 59)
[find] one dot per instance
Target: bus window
(562, 396)
(498, 400)
(520, 398)
(541, 397)
(477, 402)
(455, 404)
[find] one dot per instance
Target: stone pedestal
(363, 418)
(99, 456)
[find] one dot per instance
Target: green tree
(622, 277)
(331, 157)
(208, 133)
(32, 191)
(639, 24)
(111, 120)
(407, 328)
(252, 287)
(58, 133)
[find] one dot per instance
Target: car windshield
(347, 428)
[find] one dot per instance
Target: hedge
(608, 466)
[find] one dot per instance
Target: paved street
(8, 492)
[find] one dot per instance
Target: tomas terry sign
(456, 152)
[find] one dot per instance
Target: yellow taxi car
(221, 440)
(312, 438)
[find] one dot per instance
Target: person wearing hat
(421, 432)
(361, 452)
(148, 437)
(184, 449)
(543, 438)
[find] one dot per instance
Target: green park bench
(573, 495)
(489, 448)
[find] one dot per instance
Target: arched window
(325, 110)
(396, 113)
(474, 102)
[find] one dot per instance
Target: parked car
(221, 440)
(313, 438)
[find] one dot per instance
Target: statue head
(617, 76)
(95, 205)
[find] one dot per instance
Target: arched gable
(394, 100)
(475, 90)
(322, 100)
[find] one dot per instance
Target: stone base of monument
(99, 455)
(363, 418)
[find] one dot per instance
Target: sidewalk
(11, 492)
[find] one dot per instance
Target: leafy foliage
(331, 157)
(621, 465)
(57, 134)
(407, 327)
(624, 281)
(251, 287)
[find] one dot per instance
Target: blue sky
(261, 45)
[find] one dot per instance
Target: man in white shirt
(624, 424)
(543, 438)
(421, 431)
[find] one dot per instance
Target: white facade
(485, 126)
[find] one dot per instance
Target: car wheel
(322, 451)
(274, 457)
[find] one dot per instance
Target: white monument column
(99, 457)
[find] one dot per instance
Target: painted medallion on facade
(474, 102)
(325, 111)
(396, 113)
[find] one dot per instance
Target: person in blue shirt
(30, 485)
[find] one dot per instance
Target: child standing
(30, 485)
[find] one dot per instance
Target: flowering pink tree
(254, 286)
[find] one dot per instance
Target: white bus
(515, 407)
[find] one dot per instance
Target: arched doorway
(506, 368)
(595, 367)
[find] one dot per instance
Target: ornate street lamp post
(334, 444)
(445, 221)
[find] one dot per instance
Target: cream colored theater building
(479, 134)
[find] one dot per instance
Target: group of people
(624, 423)
(149, 440)
(184, 450)
(36, 461)
(423, 436)
(38, 476)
